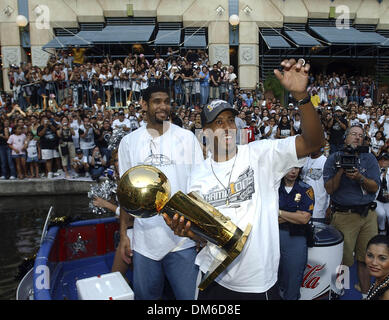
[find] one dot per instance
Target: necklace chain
(229, 180)
(371, 293)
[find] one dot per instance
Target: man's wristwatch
(304, 101)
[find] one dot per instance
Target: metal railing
(117, 92)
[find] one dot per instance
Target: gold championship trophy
(144, 191)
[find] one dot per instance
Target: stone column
(218, 42)
(10, 48)
(39, 37)
(248, 55)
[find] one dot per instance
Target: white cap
(338, 108)
(265, 118)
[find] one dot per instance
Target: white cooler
(324, 259)
(110, 286)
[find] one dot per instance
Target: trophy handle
(231, 255)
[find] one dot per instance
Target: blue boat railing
(42, 272)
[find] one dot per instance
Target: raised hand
(294, 77)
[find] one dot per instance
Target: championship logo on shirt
(314, 173)
(240, 190)
(157, 160)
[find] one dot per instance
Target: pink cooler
(324, 259)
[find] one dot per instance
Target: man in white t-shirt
(157, 252)
(242, 181)
(121, 122)
(312, 174)
(368, 102)
(384, 120)
(87, 137)
(362, 117)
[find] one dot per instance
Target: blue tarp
(302, 38)
(349, 36)
(276, 42)
(168, 37)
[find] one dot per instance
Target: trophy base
(231, 255)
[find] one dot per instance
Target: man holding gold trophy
(232, 203)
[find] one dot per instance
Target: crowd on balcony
(73, 104)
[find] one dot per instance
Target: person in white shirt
(240, 124)
(312, 174)
(383, 194)
(353, 120)
(368, 102)
(241, 181)
(157, 252)
(122, 122)
(136, 83)
(144, 82)
(270, 130)
(384, 121)
(362, 116)
(87, 138)
(376, 144)
(80, 164)
(106, 81)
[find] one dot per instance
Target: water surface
(21, 223)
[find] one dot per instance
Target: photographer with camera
(47, 132)
(352, 178)
(336, 126)
(97, 163)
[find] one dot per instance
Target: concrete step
(44, 186)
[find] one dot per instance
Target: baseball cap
(78, 151)
(211, 111)
(338, 108)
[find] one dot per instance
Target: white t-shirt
(272, 136)
(368, 102)
(105, 77)
(88, 142)
(144, 82)
(255, 179)
(136, 85)
(384, 121)
(362, 116)
(83, 160)
(134, 124)
(376, 145)
(175, 153)
(32, 149)
(121, 124)
(354, 122)
(76, 137)
(312, 174)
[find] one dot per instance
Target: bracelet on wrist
(304, 101)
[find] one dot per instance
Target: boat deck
(68, 273)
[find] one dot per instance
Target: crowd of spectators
(60, 119)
